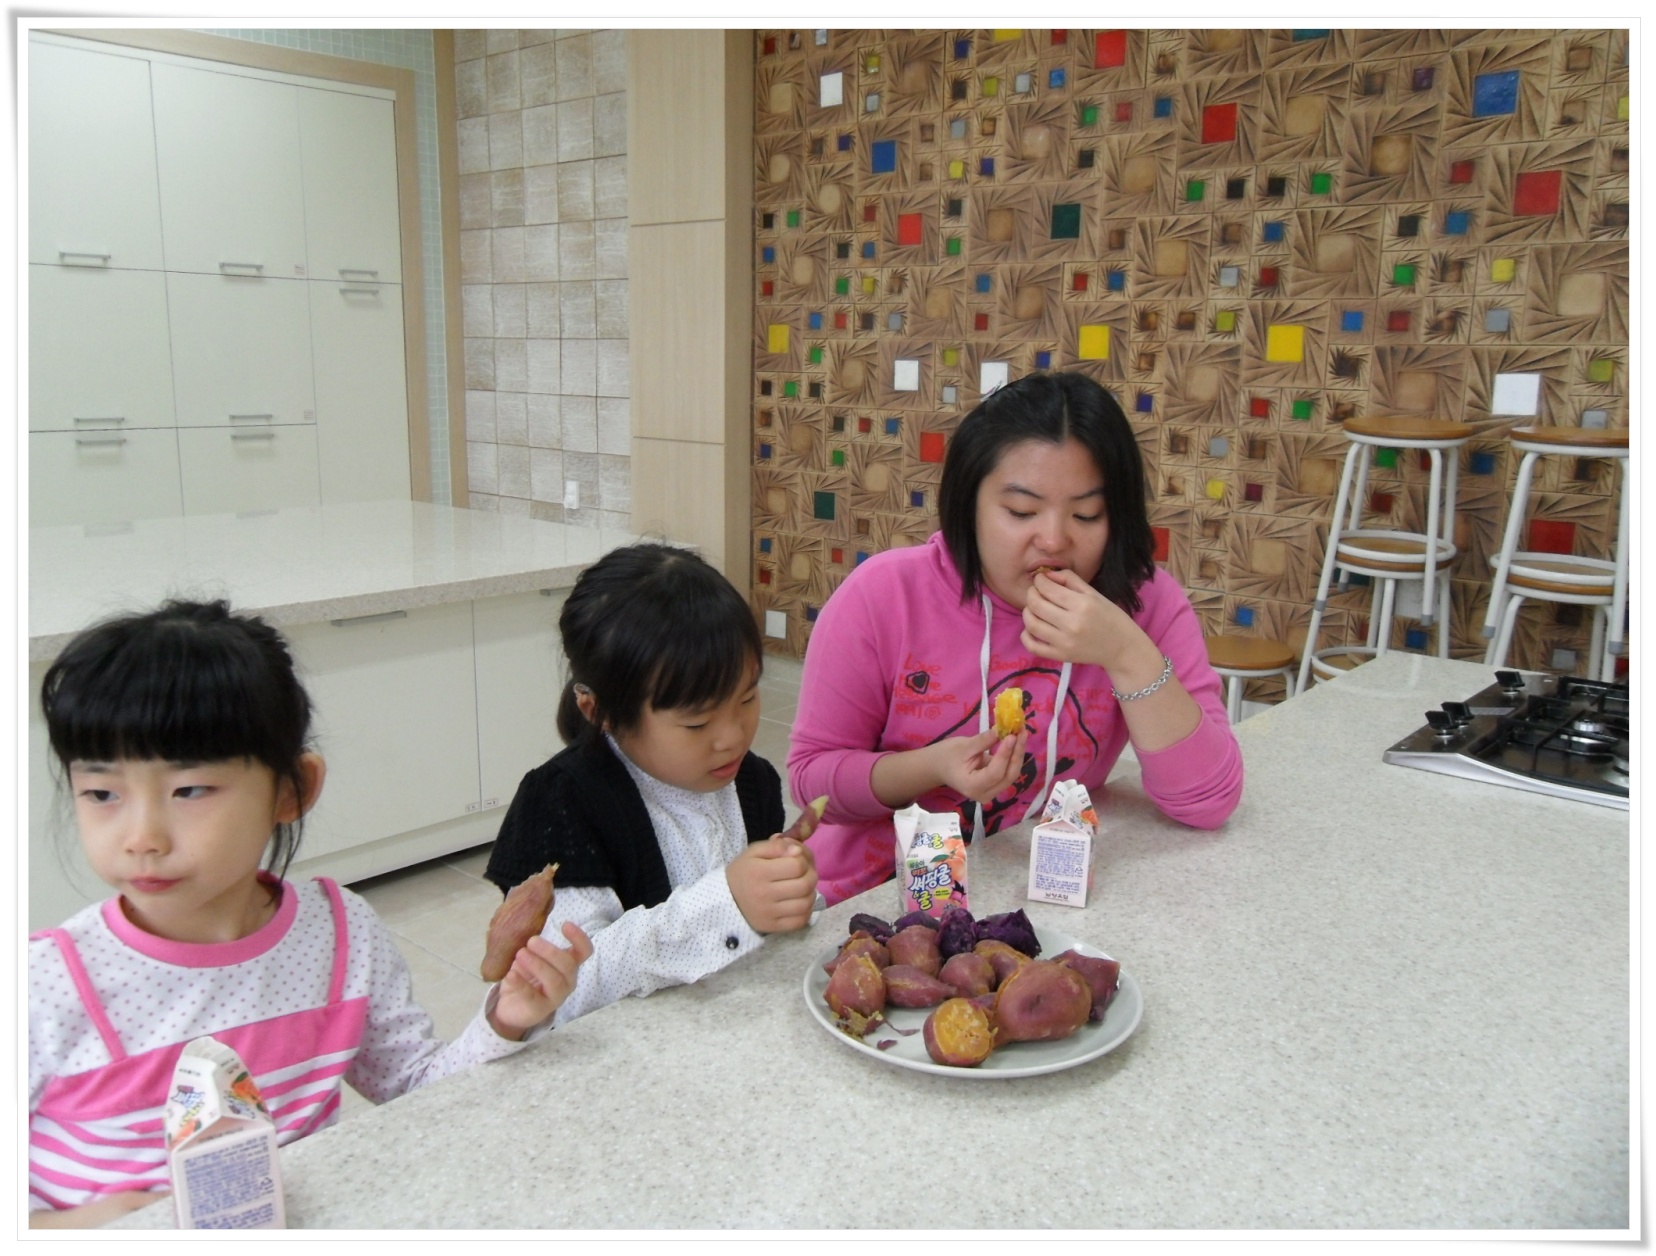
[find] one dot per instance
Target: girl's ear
(585, 702)
(312, 771)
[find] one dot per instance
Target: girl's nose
(146, 831)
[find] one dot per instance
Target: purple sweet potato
(1012, 928)
(915, 918)
(969, 973)
(956, 932)
(910, 987)
(917, 947)
(873, 926)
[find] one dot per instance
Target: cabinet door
(225, 469)
(349, 152)
(103, 477)
(396, 721)
(98, 351)
(227, 153)
(520, 676)
(241, 350)
(92, 182)
(361, 390)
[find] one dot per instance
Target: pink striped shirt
(317, 998)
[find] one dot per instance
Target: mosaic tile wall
(543, 271)
(1248, 236)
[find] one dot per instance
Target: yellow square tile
(957, 169)
(1216, 489)
(1621, 109)
(1503, 270)
(991, 85)
(778, 339)
(868, 284)
(873, 63)
(1094, 343)
(1284, 342)
(951, 357)
(1224, 320)
(1002, 37)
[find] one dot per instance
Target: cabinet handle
(98, 259)
(380, 618)
(99, 418)
(242, 418)
(360, 292)
(228, 266)
(252, 435)
(347, 271)
(100, 440)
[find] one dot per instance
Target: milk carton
(221, 1144)
(1060, 849)
(931, 861)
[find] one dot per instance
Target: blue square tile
(986, 166)
(1043, 360)
(1164, 106)
(868, 248)
(764, 545)
(1116, 281)
(767, 254)
(1456, 222)
(814, 321)
(844, 143)
(963, 49)
(1494, 94)
(893, 426)
(1481, 463)
(764, 452)
(1145, 403)
(1273, 232)
(1351, 320)
(883, 157)
(1055, 79)
(917, 499)
(983, 283)
(1415, 638)
(1301, 36)
(1245, 616)
(810, 614)
(862, 557)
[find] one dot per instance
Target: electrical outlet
(572, 495)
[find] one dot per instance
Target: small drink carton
(221, 1144)
(931, 861)
(1060, 849)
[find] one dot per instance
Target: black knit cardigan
(581, 811)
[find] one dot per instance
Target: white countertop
(300, 565)
(1378, 998)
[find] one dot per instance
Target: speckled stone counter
(1378, 998)
(302, 565)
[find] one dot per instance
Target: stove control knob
(1443, 724)
(1459, 712)
(1512, 682)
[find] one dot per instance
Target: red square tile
(1380, 503)
(1398, 320)
(839, 321)
(870, 212)
(764, 575)
(1078, 281)
(767, 288)
(931, 446)
(1109, 49)
(1253, 492)
(1218, 123)
(1537, 192)
(1460, 171)
(909, 228)
(865, 425)
(1163, 539)
(1551, 536)
(1124, 111)
(1259, 407)
(836, 555)
(1267, 276)
(980, 322)
(1059, 37)
(770, 45)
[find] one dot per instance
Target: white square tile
(831, 90)
(579, 368)
(614, 369)
(546, 474)
(543, 367)
(480, 414)
(542, 310)
(511, 366)
(545, 420)
(578, 309)
(540, 135)
(906, 376)
(511, 418)
(776, 624)
(1516, 394)
(992, 375)
(540, 194)
(580, 425)
(614, 425)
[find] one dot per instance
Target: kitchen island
(1378, 999)
(426, 635)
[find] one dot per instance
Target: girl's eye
(191, 791)
(1021, 514)
(97, 795)
(695, 728)
(1089, 518)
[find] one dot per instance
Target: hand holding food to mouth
(1065, 618)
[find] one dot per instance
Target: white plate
(1016, 1059)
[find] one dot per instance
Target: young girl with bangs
(184, 736)
(663, 822)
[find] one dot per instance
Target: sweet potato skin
(520, 917)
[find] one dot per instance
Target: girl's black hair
(188, 682)
(652, 625)
(1054, 407)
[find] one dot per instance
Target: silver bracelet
(1167, 674)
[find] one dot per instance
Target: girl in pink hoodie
(1041, 578)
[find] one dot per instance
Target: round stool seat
(1248, 654)
(1584, 577)
(1380, 428)
(1389, 551)
(1603, 438)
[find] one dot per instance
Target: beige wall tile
(611, 245)
(575, 134)
(476, 201)
(672, 86)
(538, 74)
(540, 135)
(500, 40)
(609, 197)
(614, 483)
(472, 144)
(580, 368)
(477, 309)
(502, 83)
(511, 369)
(612, 368)
(546, 475)
(609, 62)
(575, 200)
(549, 512)
(481, 474)
(545, 365)
(509, 310)
(578, 309)
(577, 251)
(545, 421)
(540, 194)
(528, 39)
(541, 310)
(609, 124)
(471, 92)
(614, 425)
(575, 67)
(513, 469)
(506, 198)
(506, 247)
(480, 368)
(511, 418)
(469, 45)
(476, 256)
(540, 246)
(580, 425)
(505, 141)
(612, 307)
(480, 414)
(512, 506)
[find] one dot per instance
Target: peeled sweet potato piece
(959, 1033)
(916, 946)
(910, 987)
(520, 917)
(1041, 1001)
(1009, 712)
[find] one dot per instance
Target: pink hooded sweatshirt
(894, 664)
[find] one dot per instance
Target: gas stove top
(1565, 736)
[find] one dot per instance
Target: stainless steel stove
(1559, 735)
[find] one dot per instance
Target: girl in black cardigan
(663, 823)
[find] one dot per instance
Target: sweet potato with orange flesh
(859, 944)
(959, 1033)
(1009, 712)
(808, 820)
(520, 917)
(969, 973)
(1002, 958)
(856, 993)
(1041, 1001)
(909, 987)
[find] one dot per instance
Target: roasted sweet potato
(1009, 712)
(909, 987)
(916, 946)
(808, 820)
(1042, 1000)
(520, 917)
(959, 1033)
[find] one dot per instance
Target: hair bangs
(706, 660)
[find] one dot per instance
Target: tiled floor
(439, 911)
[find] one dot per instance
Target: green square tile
(1066, 221)
(838, 457)
(1195, 190)
(1302, 408)
(822, 505)
(842, 285)
(1089, 115)
(793, 217)
(816, 354)
(1225, 320)
(1601, 370)
(1385, 457)
(952, 248)
(791, 388)
(1322, 183)
(1403, 275)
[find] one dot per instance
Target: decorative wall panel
(1247, 236)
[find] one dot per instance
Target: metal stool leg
(1509, 542)
(1329, 557)
(1603, 662)
(1503, 639)
(1616, 614)
(1380, 628)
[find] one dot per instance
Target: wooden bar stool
(1546, 577)
(1240, 659)
(1389, 555)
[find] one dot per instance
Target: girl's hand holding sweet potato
(540, 979)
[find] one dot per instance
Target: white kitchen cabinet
(92, 185)
(61, 882)
(227, 156)
(98, 349)
(520, 676)
(241, 350)
(99, 477)
(396, 721)
(361, 393)
(225, 469)
(349, 156)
